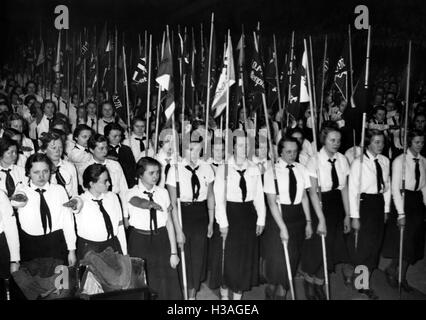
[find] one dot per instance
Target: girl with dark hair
(64, 172)
(10, 173)
(47, 228)
(240, 213)
(197, 203)
(291, 224)
(410, 211)
(329, 175)
(16, 136)
(100, 220)
(369, 214)
(15, 121)
(152, 235)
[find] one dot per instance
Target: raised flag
(304, 93)
(57, 65)
(219, 100)
(41, 57)
(164, 79)
(341, 73)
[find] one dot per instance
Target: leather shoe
(369, 293)
(319, 292)
(309, 290)
(269, 293)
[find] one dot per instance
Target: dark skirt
(195, 220)
(51, 245)
(241, 267)
(370, 235)
(4, 257)
(214, 258)
(155, 250)
(335, 241)
(414, 231)
(275, 265)
(84, 246)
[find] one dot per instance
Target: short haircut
(37, 157)
(79, 129)
(92, 174)
(62, 122)
(113, 126)
(371, 133)
(48, 137)
(136, 119)
(15, 117)
(97, 138)
(28, 99)
(143, 163)
(284, 140)
(5, 144)
(378, 108)
(325, 131)
(412, 134)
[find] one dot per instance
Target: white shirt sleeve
(220, 198)
(395, 186)
(259, 200)
(10, 228)
(353, 187)
(67, 221)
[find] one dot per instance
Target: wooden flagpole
(148, 95)
(322, 83)
(208, 89)
(272, 155)
(157, 120)
(127, 89)
(314, 134)
(277, 80)
(290, 75)
(404, 161)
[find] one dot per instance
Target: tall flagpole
(127, 89)
(350, 60)
(208, 87)
(323, 82)
(148, 95)
(272, 155)
(157, 120)
(277, 80)
(290, 76)
(115, 60)
(312, 71)
(404, 161)
(314, 134)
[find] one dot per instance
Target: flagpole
(314, 134)
(127, 89)
(175, 151)
(290, 73)
(367, 59)
(322, 82)
(115, 60)
(272, 155)
(157, 120)
(350, 61)
(312, 71)
(277, 79)
(139, 44)
(148, 96)
(241, 70)
(193, 74)
(404, 161)
(208, 87)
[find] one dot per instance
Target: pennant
(41, 57)
(219, 100)
(304, 92)
(341, 73)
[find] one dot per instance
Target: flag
(270, 77)
(57, 65)
(140, 74)
(293, 99)
(205, 66)
(41, 57)
(93, 77)
(240, 49)
(256, 83)
(164, 78)
(341, 72)
(304, 92)
(117, 102)
(219, 100)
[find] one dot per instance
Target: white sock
(224, 294)
(237, 296)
